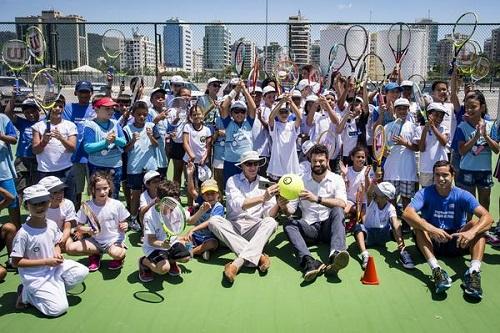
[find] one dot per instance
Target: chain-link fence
(198, 51)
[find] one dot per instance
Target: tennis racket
(419, 97)
(92, 220)
(172, 217)
(287, 74)
(359, 203)
(113, 45)
(336, 60)
(399, 37)
(393, 130)
(316, 79)
(355, 43)
(46, 88)
(253, 76)
(418, 80)
(178, 108)
(16, 57)
(239, 58)
(328, 138)
(373, 72)
(36, 43)
(466, 58)
(378, 147)
(480, 69)
(463, 30)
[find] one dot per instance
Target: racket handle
(16, 87)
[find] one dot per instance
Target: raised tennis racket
(46, 88)
(399, 37)
(394, 129)
(356, 44)
(462, 32)
(36, 43)
(336, 60)
(328, 138)
(359, 203)
(239, 58)
(287, 74)
(253, 76)
(113, 45)
(466, 58)
(16, 57)
(172, 217)
(92, 220)
(480, 69)
(316, 79)
(378, 147)
(419, 97)
(373, 72)
(418, 80)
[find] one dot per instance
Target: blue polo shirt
(77, 114)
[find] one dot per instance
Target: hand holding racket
(378, 148)
(113, 45)
(172, 217)
(92, 220)
(463, 30)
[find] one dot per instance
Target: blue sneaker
(472, 284)
(441, 280)
(406, 260)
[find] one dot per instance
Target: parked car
(195, 91)
(99, 87)
(7, 84)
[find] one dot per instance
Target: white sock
(238, 262)
(475, 266)
(365, 253)
(433, 263)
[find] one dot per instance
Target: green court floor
(200, 301)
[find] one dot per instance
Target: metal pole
(156, 50)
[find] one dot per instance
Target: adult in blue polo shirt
(443, 228)
(78, 113)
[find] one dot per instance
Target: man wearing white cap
(250, 216)
(400, 167)
(45, 274)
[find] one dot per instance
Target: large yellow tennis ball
(290, 186)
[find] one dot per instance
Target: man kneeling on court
(250, 212)
(322, 204)
(443, 230)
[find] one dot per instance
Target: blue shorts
(135, 181)
(483, 179)
(10, 186)
(374, 236)
(200, 238)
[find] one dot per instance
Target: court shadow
(285, 253)
(134, 238)
(8, 306)
(491, 259)
(151, 294)
(74, 300)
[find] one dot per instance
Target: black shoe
(338, 261)
(472, 284)
(9, 267)
(311, 268)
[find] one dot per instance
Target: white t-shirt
(401, 163)
(109, 216)
(434, 151)
(64, 213)
(354, 181)
(378, 218)
(322, 123)
(152, 226)
(55, 156)
(284, 158)
(35, 243)
(197, 141)
(145, 199)
(260, 135)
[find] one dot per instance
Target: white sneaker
(206, 255)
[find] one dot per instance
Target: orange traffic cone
(370, 276)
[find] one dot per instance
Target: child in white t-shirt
(305, 166)
(160, 255)
(284, 133)
(150, 196)
(378, 223)
(432, 139)
(61, 210)
(112, 217)
(45, 274)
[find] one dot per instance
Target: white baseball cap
(302, 84)
(150, 175)
(296, 93)
(251, 155)
(238, 105)
(407, 83)
(268, 89)
(213, 79)
(35, 194)
(402, 102)
(306, 146)
(437, 107)
(52, 183)
(234, 81)
(177, 79)
(386, 189)
(257, 89)
(311, 98)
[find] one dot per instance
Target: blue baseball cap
(391, 86)
(84, 86)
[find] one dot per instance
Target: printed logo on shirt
(36, 249)
(443, 215)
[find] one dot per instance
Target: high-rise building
(315, 53)
(432, 40)
(487, 47)
(139, 54)
(216, 47)
(495, 45)
(299, 38)
(177, 45)
(65, 36)
(445, 53)
(197, 61)
(270, 58)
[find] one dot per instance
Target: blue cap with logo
(84, 86)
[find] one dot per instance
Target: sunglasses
(284, 111)
(239, 111)
(250, 164)
(216, 85)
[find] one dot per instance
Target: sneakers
(145, 274)
(115, 264)
(312, 268)
(175, 270)
(365, 262)
(492, 239)
(206, 255)
(472, 284)
(441, 280)
(230, 272)
(338, 260)
(94, 262)
(406, 260)
(264, 263)
(134, 225)
(349, 226)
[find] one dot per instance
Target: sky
(444, 11)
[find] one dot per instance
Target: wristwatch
(319, 200)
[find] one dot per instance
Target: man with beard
(322, 204)
(443, 229)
